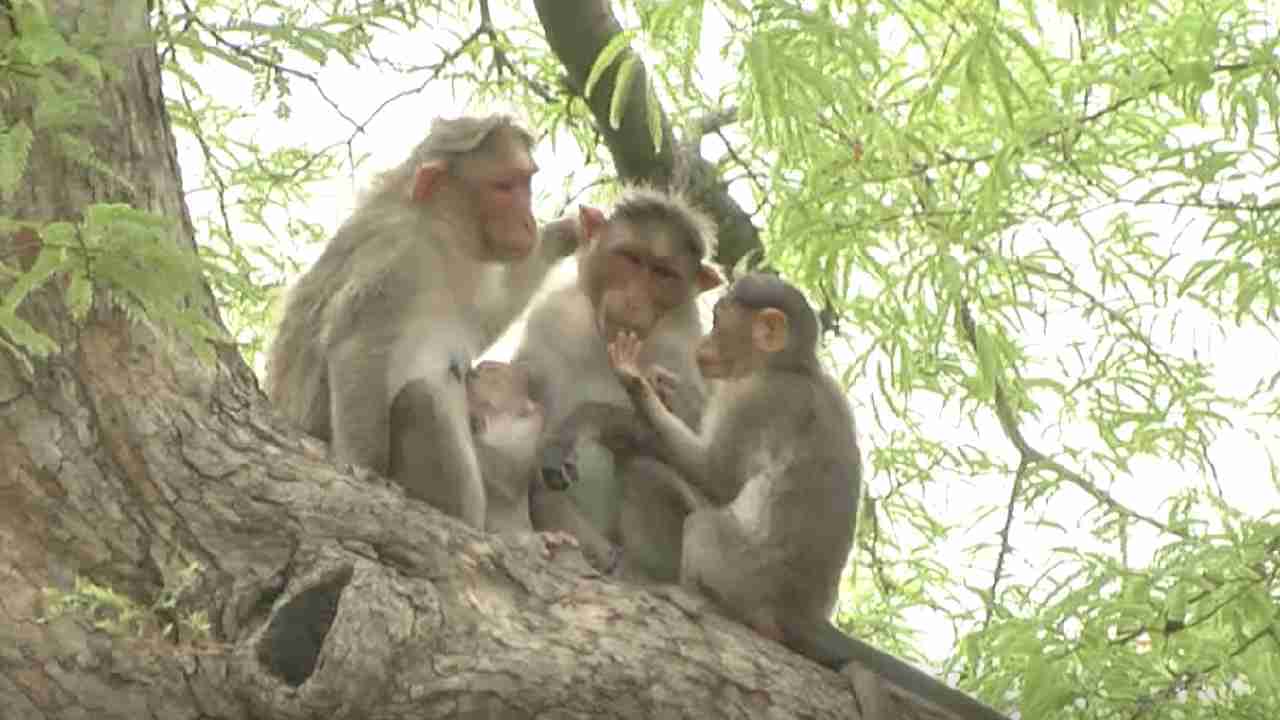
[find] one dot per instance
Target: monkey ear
(708, 277)
(769, 330)
(427, 179)
(591, 219)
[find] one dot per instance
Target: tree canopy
(1045, 237)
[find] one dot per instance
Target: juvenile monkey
(437, 259)
(639, 270)
(778, 439)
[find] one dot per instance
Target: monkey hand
(664, 383)
(624, 354)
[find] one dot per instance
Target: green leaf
(617, 44)
(26, 337)
(988, 367)
(626, 75)
(79, 296)
(15, 148)
(653, 114)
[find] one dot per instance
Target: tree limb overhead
(577, 32)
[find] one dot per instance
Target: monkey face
(496, 181)
(496, 388)
(727, 351)
(635, 278)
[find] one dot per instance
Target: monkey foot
(554, 539)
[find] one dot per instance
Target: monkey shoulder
(782, 415)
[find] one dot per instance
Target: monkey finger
(667, 397)
(659, 374)
(553, 540)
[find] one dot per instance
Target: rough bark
(123, 460)
(577, 31)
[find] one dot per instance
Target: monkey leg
(432, 453)
(651, 520)
(553, 511)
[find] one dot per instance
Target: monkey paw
(664, 384)
(553, 539)
(624, 355)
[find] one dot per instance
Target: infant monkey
(773, 480)
(506, 424)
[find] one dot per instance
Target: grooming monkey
(441, 254)
(777, 437)
(640, 270)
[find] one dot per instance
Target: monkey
(506, 424)
(439, 256)
(639, 269)
(778, 433)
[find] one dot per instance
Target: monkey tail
(825, 644)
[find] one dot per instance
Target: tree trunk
(124, 460)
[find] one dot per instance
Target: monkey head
(498, 393)
(643, 261)
(762, 321)
(488, 188)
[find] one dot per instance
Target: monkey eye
(505, 186)
(665, 273)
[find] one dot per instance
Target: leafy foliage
(112, 246)
(1048, 232)
(114, 613)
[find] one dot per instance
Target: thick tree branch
(577, 32)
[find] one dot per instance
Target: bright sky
(1241, 356)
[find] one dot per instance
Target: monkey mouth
(712, 370)
(611, 329)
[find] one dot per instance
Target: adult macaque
(639, 270)
(438, 258)
(779, 435)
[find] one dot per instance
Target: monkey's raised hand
(664, 383)
(624, 354)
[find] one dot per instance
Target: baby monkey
(506, 424)
(773, 480)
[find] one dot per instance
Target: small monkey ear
(769, 330)
(708, 277)
(427, 179)
(591, 219)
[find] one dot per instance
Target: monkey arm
(681, 446)
(828, 646)
(358, 413)
(619, 429)
(433, 455)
